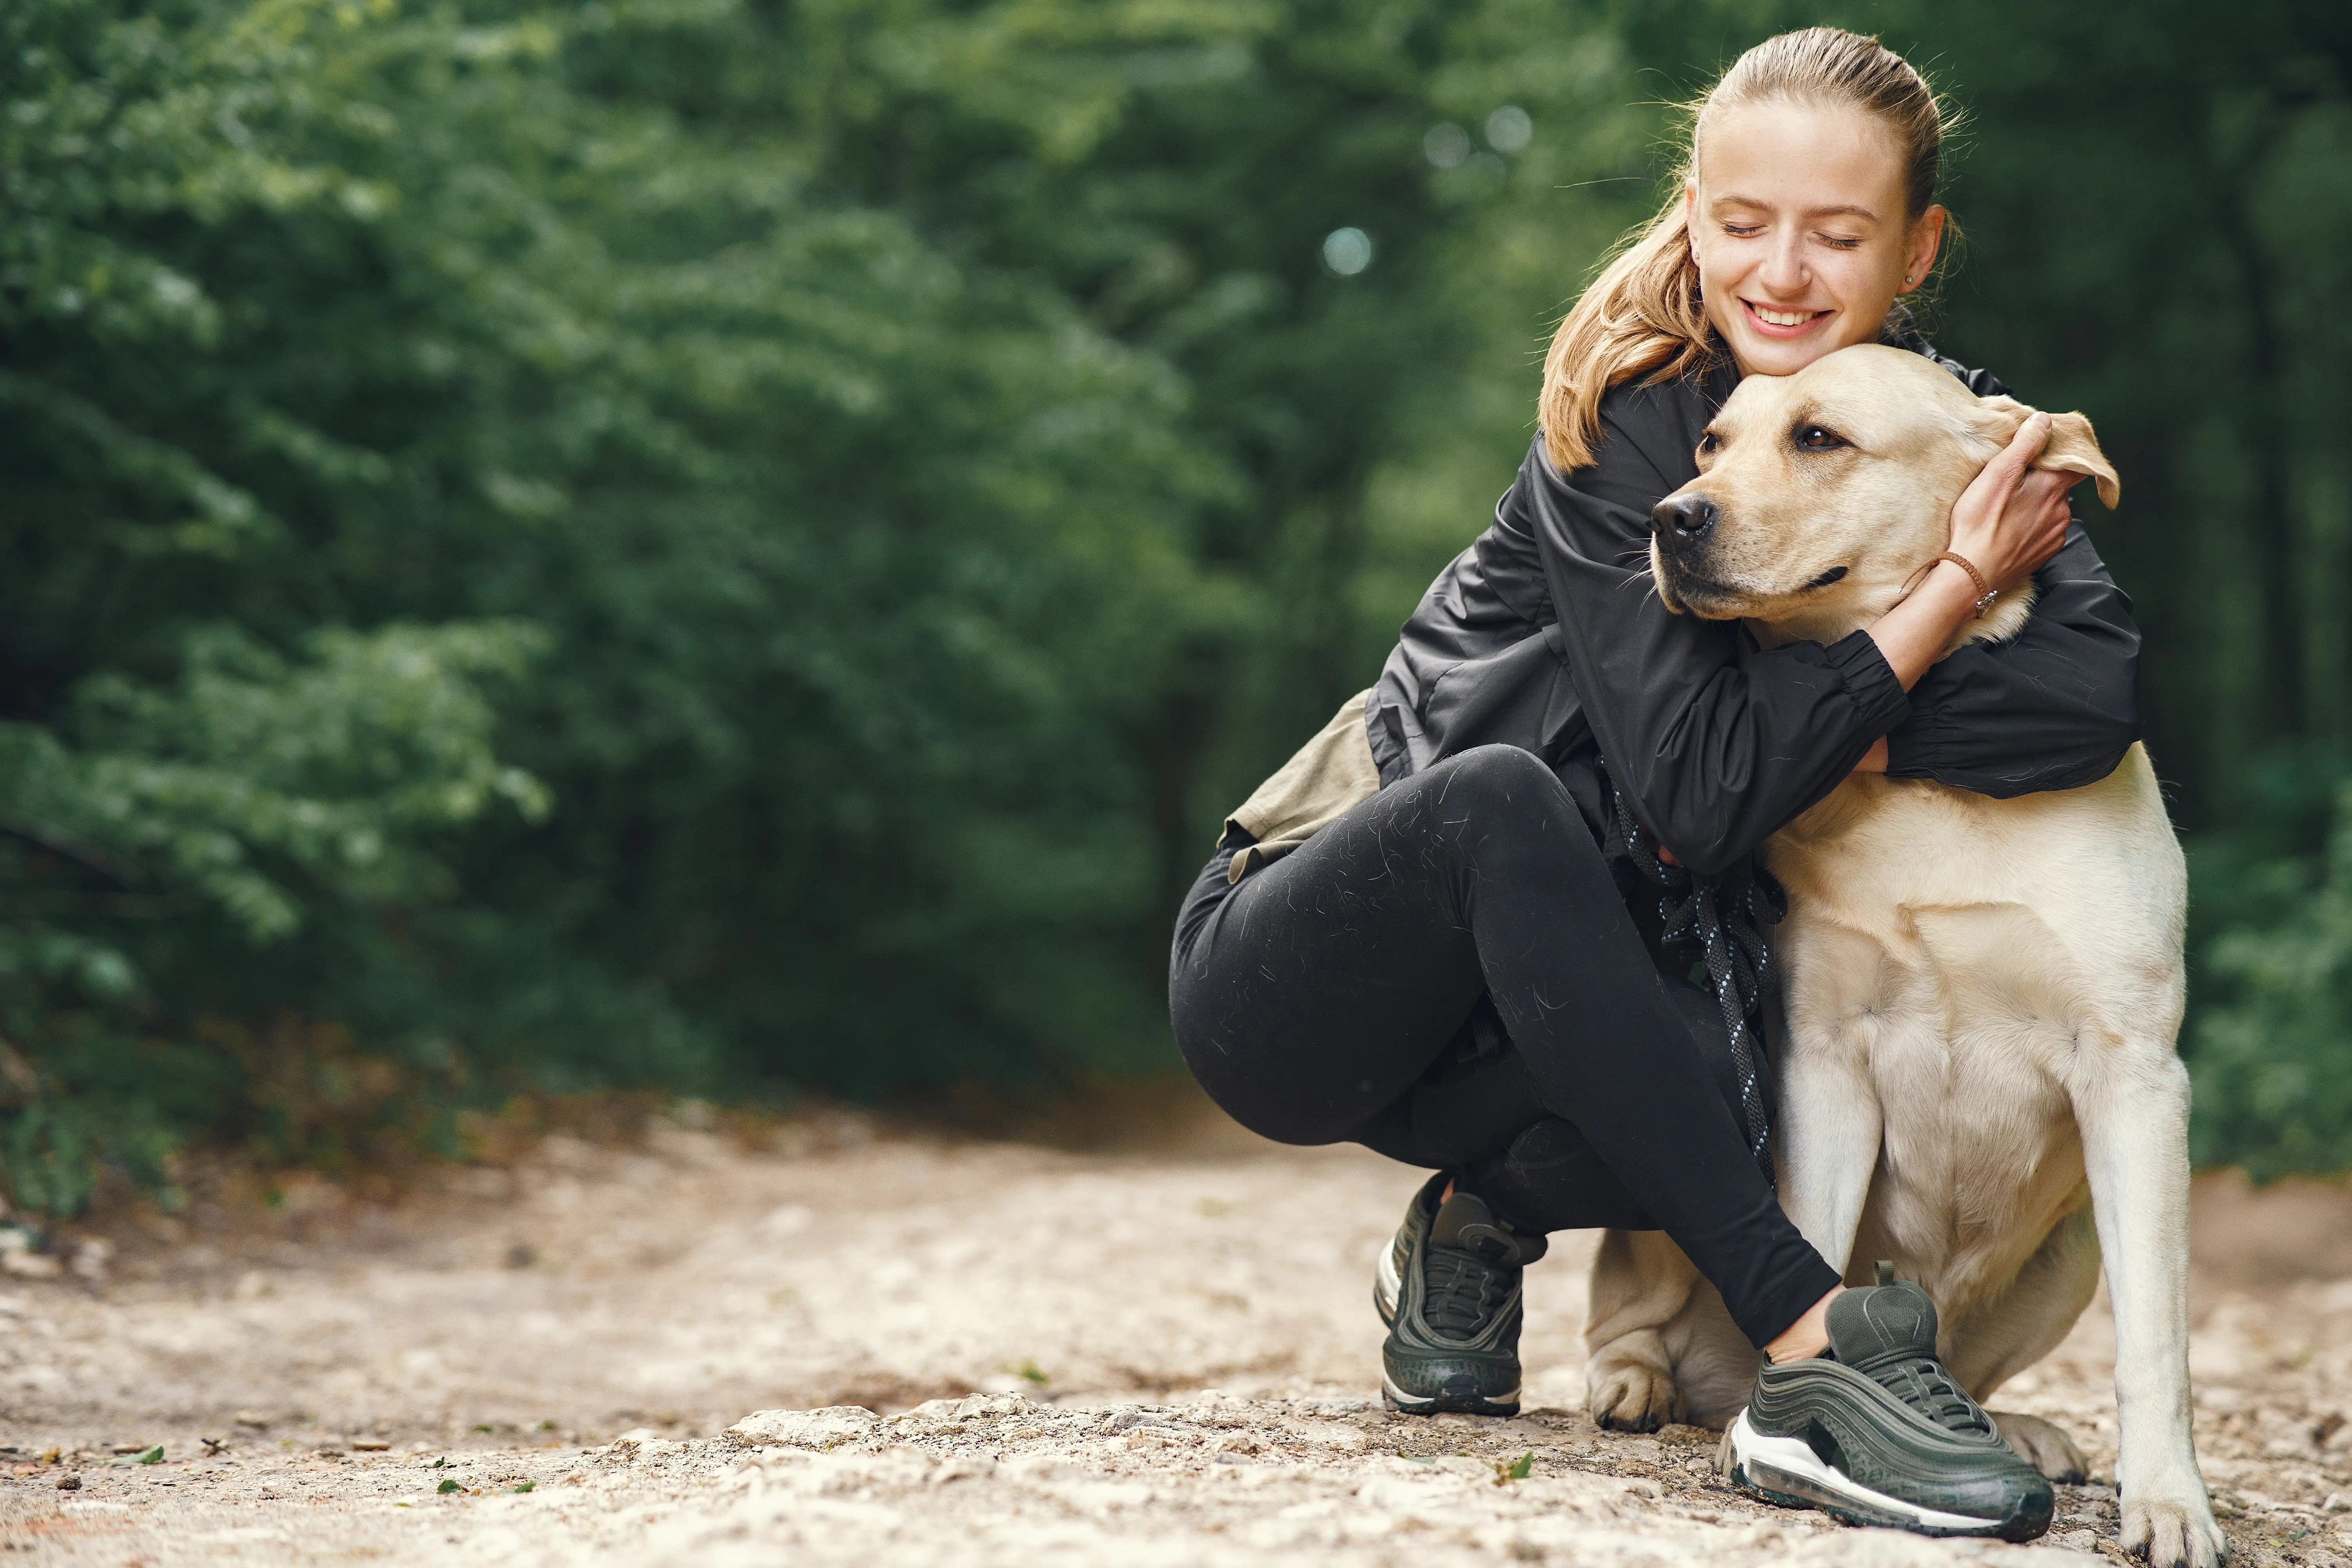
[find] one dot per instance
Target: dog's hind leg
(1640, 1284)
(2045, 1444)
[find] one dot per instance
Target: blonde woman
(1460, 925)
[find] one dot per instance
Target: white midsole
(1407, 1401)
(1385, 1283)
(1794, 1457)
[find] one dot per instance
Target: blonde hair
(1641, 316)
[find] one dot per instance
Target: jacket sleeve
(1716, 744)
(2055, 707)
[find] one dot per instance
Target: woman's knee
(1504, 789)
(1501, 772)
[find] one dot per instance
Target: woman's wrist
(1915, 634)
(1984, 557)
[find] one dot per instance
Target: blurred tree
(886, 467)
(745, 545)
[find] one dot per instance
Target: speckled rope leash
(1725, 917)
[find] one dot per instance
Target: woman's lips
(1792, 323)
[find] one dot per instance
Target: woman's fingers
(2013, 517)
(2016, 460)
(1989, 493)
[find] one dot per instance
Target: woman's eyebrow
(1732, 199)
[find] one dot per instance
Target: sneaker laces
(1460, 1291)
(1921, 1383)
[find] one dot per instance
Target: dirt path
(1170, 1358)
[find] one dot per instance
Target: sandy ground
(1158, 1356)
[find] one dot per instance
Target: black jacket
(1545, 634)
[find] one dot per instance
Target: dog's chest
(1954, 958)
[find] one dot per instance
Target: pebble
(803, 1429)
(1126, 1418)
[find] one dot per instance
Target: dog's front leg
(2133, 1108)
(1827, 1142)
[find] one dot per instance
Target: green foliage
(688, 543)
(2271, 1045)
(744, 547)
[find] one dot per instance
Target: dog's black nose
(1683, 520)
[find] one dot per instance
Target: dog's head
(1820, 494)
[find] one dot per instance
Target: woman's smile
(1784, 324)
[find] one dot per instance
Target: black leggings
(1341, 994)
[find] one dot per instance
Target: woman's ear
(1926, 239)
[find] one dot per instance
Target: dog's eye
(1707, 443)
(1813, 438)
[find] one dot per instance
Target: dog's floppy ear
(2073, 446)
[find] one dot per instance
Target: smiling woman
(1452, 928)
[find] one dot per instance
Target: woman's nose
(1784, 270)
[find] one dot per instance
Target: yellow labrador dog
(1981, 995)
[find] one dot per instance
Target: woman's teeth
(1783, 318)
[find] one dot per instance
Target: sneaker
(1878, 1433)
(1449, 1292)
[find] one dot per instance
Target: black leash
(1724, 918)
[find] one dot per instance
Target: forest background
(741, 547)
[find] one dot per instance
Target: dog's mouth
(1687, 593)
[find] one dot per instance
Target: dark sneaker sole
(1786, 1471)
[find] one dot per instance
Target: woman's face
(1796, 221)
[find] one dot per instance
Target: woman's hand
(2010, 519)
(2013, 516)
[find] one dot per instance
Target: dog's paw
(1633, 1397)
(2173, 1533)
(2042, 1446)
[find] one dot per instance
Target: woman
(1459, 926)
